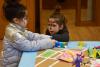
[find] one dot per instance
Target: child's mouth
(51, 32)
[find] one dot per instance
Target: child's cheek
(25, 23)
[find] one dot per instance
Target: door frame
(78, 16)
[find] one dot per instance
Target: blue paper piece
(28, 58)
(88, 44)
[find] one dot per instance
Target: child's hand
(53, 42)
(60, 44)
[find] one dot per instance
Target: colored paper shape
(48, 53)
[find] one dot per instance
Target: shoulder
(11, 31)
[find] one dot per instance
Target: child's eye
(54, 25)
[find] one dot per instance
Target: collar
(17, 26)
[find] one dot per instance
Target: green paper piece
(48, 53)
(90, 51)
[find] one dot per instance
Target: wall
(97, 11)
(68, 4)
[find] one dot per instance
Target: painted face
(53, 27)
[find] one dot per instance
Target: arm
(22, 44)
(36, 36)
(61, 37)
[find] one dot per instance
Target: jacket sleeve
(61, 37)
(23, 44)
(36, 36)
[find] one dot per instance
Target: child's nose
(50, 27)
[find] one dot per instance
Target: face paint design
(53, 27)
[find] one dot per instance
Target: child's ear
(15, 20)
(61, 27)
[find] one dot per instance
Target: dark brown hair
(13, 9)
(59, 18)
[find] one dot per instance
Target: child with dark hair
(57, 26)
(17, 39)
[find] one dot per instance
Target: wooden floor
(81, 33)
(84, 33)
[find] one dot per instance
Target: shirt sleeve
(23, 44)
(36, 36)
(61, 37)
